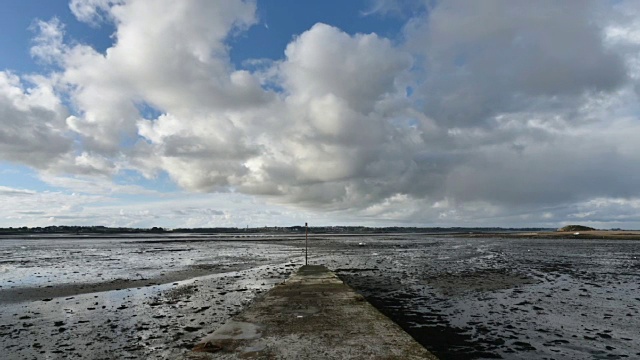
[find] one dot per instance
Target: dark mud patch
(482, 280)
(352, 270)
(179, 293)
(424, 321)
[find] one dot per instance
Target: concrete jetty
(313, 315)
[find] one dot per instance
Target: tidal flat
(462, 298)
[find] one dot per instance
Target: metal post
(306, 242)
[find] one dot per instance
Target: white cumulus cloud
(482, 113)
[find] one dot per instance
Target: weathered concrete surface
(313, 315)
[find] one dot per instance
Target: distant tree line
(272, 229)
(78, 230)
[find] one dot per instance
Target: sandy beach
(590, 234)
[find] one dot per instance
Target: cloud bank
(483, 113)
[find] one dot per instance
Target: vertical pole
(306, 242)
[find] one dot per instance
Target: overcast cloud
(483, 113)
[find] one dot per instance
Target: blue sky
(373, 112)
(279, 22)
(18, 19)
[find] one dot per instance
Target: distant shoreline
(590, 234)
(279, 230)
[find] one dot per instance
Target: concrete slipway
(313, 315)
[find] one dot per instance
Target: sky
(202, 113)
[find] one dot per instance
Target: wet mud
(461, 298)
(506, 299)
(158, 312)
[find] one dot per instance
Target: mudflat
(460, 297)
